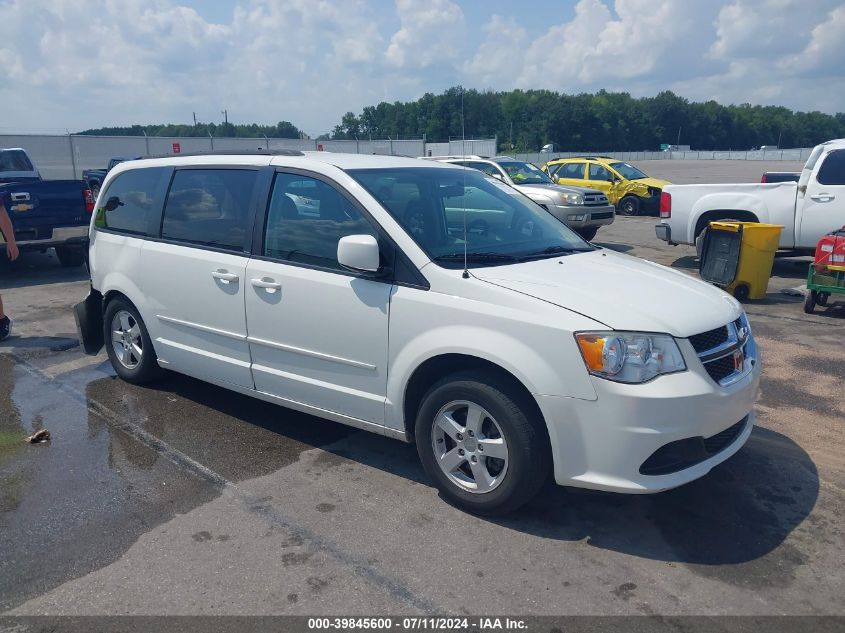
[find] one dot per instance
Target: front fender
(504, 350)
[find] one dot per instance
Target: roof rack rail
(232, 152)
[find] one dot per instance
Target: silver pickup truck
(582, 210)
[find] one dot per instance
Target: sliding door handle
(268, 284)
(225, 276)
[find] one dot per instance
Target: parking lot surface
(181, 498)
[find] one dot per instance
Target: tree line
(282, 129)
(525, 120)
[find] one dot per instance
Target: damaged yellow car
(625, 186)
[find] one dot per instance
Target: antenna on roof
(464, 195)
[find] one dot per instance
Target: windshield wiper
(476, 257)
(552, 251)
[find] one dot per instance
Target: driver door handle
(224, 276)
(822, 197)
(266, 283)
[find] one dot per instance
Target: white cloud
(89, 63)
(430, 32)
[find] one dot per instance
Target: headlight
(572, 198)
(629, 357)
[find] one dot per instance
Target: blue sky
(88, 63)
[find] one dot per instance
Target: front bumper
(592, 216)
(604, 443)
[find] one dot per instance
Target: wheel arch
(433, 369)
(722, 214)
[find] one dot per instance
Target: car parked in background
(583, 210)
(45, 213)
(507, 352)
(625, 186)
(807, 209)
(94, 177)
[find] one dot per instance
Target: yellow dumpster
(738, 256)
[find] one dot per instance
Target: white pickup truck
(808, 209)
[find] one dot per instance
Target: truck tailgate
(35, 208)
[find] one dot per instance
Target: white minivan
(425, 302)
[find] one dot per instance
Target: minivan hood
(620, 291)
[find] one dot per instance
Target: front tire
(629, 205)
(128, 344)
(482, 443)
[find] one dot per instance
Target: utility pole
(195, 119)
(678, 143)
(225, 114)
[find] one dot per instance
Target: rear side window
(832, 171)
(307, 217)
(129, 204)
(599, 172)
(571, 170)
(209, 207)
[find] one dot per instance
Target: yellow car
(624, 185)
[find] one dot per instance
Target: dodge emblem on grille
(739, 358)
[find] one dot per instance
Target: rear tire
(128, 344)
(70, 256)
(460, 416)
(629, 205)
(810, 301)
(588, 233)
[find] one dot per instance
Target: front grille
(722, 350)
(601, 216)
(595, 200)
(721, 368)
(708, 340)
(681, 454)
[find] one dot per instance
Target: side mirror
(113, 203)
(358, 252)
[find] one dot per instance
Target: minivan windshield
(452, 211)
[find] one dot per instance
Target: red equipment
(830, 251)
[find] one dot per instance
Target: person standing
(12, 253)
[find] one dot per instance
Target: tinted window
(307, 218)
(524, 173)
(129, 203)
(14, 160)
(599, 172)
(209, 207)
(571, 170)
(832, 171)
(487, 168)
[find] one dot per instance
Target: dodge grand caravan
(424, 302)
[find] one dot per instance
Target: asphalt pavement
(182, 498)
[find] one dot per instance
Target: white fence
(66, 156)
(797, 155)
